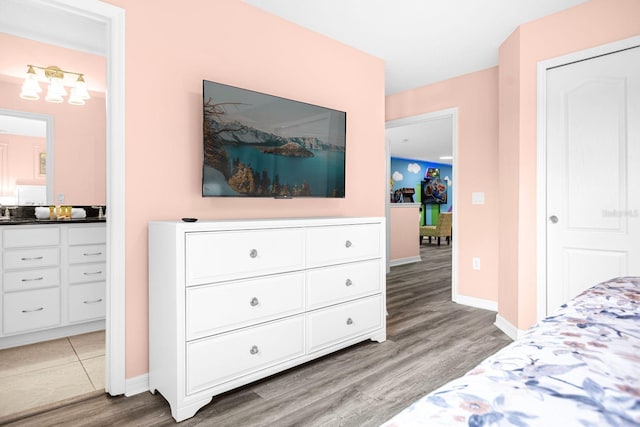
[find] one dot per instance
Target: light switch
(476, 263)
(477, 198)
(60, 198)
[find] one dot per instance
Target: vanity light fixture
(56, 90)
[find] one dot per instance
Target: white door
(593, 173)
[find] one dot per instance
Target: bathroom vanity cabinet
(53, 281)
(231, 302)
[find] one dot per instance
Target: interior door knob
(553, 219)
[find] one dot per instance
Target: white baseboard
(505, 326)
(402, 261)
(136, 385)
(485, 304)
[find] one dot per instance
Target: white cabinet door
(593, 173)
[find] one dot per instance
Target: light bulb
(30, 88)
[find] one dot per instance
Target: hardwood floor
(430, 340)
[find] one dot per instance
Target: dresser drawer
(31, 258)
(28, 237)
(218, 308)
(332, 285)
(87, 301)
(217, 256)
(225, 357)
(22, 280)
(24, 311)
(344, 243)
(87, 235)
(339, 323)
(82, 273)
(87, 253)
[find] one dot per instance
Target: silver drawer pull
(347, 244)
(349, 321)
(92, 273)
(254, 350)
(35, 309)
(348, 282)
(31, 258)
(92, 302)
(92, 253)
(254, 302)
(33, 280)
(253, 253)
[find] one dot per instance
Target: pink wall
(404, 224)
(476, 98)
(509, 128)
(22, 161)
(79, 131)
(588, 25)
(230, 42)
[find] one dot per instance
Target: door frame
(449, 112)
(114, 19)
(541, 158)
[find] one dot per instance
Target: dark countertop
(25, 215)
(31, 221)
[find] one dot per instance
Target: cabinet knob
(254, 302)
(253, 253)
(348, 282)
(254, 350)
(348, 244)
(349, 321)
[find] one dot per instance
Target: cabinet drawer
(87, 235)
(24, 311)
(225, 357)
(27, 237)
(31, 258)
(218, 256)
(342, 322)
(345, 243)
(30, 279)
(332, 285)
(217, 308)
(87, 301)
(82, 273)
(88, 253)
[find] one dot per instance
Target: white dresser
(231, 302)
(53, 281)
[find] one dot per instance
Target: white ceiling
(421, 42)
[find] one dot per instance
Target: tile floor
(48, 372)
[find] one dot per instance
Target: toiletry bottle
(52, 214)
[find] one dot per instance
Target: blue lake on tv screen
(324, 172)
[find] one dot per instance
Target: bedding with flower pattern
(578, 367)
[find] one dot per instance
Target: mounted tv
(260, 145)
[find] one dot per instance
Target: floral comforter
(578, 367)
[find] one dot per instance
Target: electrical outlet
(60, 198)
(476, 263)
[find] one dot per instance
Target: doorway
(28, 19)
(589, 144)
(451, 117)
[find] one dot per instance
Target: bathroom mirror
(26, 158)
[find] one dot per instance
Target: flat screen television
(260, 145)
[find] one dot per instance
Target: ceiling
(421, 42)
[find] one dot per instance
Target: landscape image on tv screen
(259, 145)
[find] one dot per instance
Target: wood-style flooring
(430, 340)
